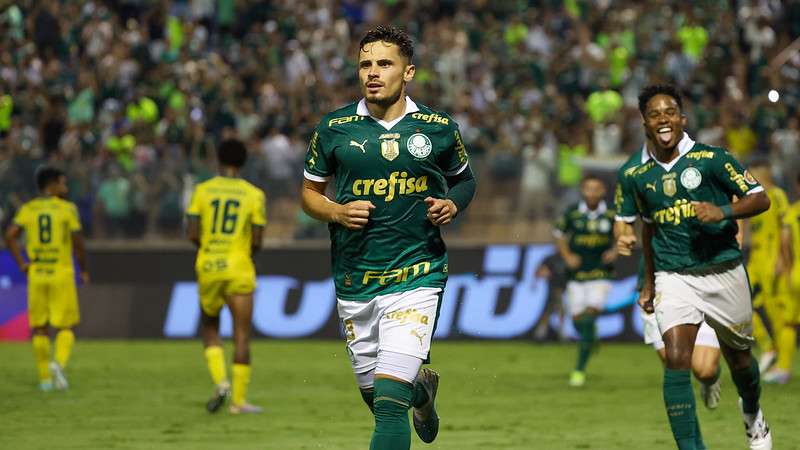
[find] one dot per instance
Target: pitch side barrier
(492, 293)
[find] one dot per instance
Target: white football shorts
(706, 336)
(582, 295)
(400, 322)
(721, 299)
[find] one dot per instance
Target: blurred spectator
(130, 97)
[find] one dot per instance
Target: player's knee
(679, 358)
(704, 371)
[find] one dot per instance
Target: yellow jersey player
(52, 230)
(763, 265)
(788, 296)
(226, 219)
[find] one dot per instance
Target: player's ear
(684, 120)
(408, 75)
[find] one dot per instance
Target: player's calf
(392, 401)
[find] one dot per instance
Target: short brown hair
(392, 35)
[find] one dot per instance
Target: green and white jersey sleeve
(625, 201)
(395, 166)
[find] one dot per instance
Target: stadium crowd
(131, 96)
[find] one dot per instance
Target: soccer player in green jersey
(585, 241)
(401, 172)
(693, 263)
(705, 358)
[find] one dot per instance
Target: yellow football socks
(787, 344)
(215, 358)
(41, 351)
(65, 339)
(241, 378)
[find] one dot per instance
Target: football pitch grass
(151, 395)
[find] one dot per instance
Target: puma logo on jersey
(361, 145)
(650, 186)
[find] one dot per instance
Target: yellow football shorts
(213, 292)
(53, 303)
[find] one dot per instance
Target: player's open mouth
(664, 135)
(374, 85)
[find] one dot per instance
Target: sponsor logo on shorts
(396, 275)
(410, 315)
(419, 336)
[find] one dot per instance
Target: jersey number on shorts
(45, 228)
(224, 218)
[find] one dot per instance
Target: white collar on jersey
(684, 146)
(583, 208)
(645, 153)
(362, 110)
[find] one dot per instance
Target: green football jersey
(590, 234)
(395, 166)
(664, 195)
(623, 195)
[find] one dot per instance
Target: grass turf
(151, 395)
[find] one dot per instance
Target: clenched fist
(440, 211)
(354, 215)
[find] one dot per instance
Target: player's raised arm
(13, 232)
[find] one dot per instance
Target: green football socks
(392, 428)
(680, 404)
(369, 397)
(748, 385)
(585, 327)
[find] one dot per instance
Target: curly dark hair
(232, 152)
(658, 89)
(392, 35)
